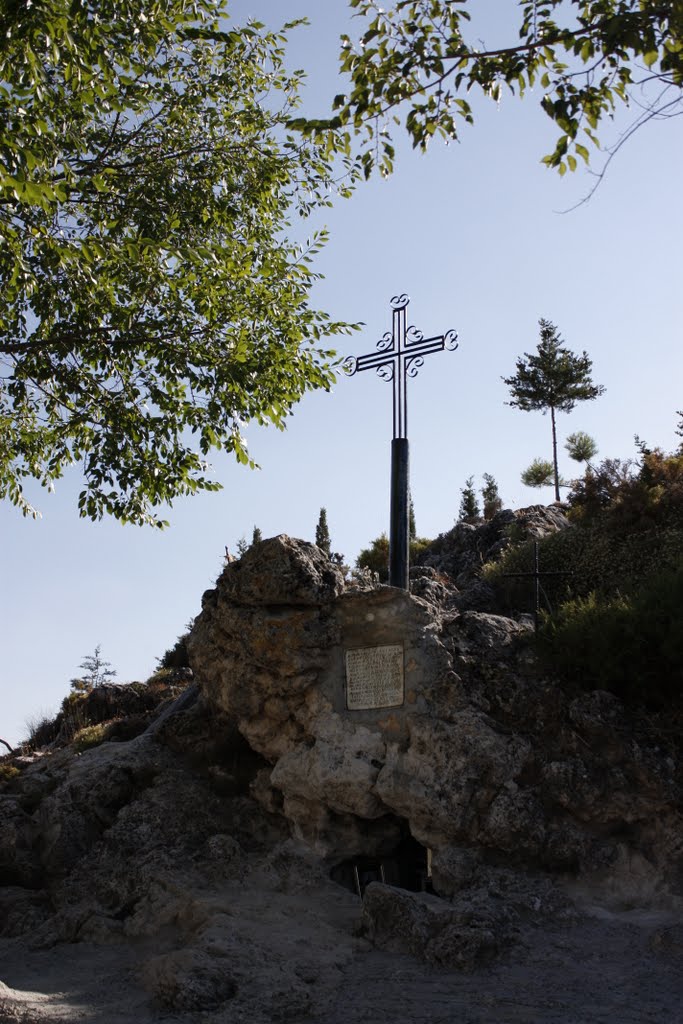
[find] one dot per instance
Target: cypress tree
(322, 534)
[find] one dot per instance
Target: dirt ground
(624, 968)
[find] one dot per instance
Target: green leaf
(149, 284)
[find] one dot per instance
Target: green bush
(176, 656)
(8, 772)
(91, 736)
(595, 559)
(376, 556)
(631, 645)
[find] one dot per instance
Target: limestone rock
(282, 571)
(429, 928)
(190, 980)
(206, 846)
(483, 752)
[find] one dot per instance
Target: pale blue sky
(473, 234)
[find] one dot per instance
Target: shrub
(376, 556)
(624, 497)
(42, 730)
(594, 557)
(8, 772)
(177, 656)
(73, 715)
(91, 736)
(630, 645)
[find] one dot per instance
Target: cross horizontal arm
(374, 359)
(421, 348)
(439, 342)
(421, 343)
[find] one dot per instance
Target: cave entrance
(407, 866)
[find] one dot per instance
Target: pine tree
(242, 547)
(322, 533)
(469, 506)
(256, 536)
(553, 378)
(97, 671)
(490, 497)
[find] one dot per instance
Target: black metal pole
(399, 536)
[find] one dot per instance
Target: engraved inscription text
(374, 677)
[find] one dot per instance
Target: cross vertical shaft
(399, 527)
(400, 354)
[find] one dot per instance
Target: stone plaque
(374, 677)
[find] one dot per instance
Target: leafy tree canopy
(417, 62)
(376, 556)
(150, 301)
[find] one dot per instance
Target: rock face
(484, 762)
(461, 552)
(151, 855)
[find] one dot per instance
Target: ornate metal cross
(400, 354)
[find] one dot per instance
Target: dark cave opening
(407, 866)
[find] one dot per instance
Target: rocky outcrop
(206, 845)
(483, 757)
(459, 554)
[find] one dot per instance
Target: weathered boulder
(430, 928)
